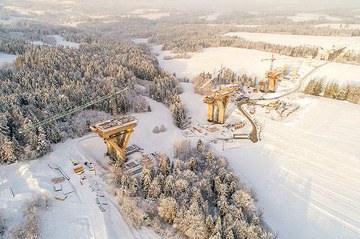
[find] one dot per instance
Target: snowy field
(304, 17)
(151, 14)
(78, 216)
(211, 17)
(326, 42)
(305, 169)
(61, 41)
(6, 58)
(6, 21)
(343, 74)
(212, 59)
(307, 187)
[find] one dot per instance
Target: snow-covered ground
(145, 138)
(211, 17)
(151, 14)
(343, 74)
(211, 59)
(242, 61)
(140, 40)
(326, 42)
(38, 43)
(24, 11)
(60, 41)
(6, 58)
(305, 172)
(305, 169)
(6, 21)
(303, 17)
(79, 216)
(232, 25)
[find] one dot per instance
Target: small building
(57, 187)
(60, 196)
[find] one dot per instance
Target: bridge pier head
(116, 134)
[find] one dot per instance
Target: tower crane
(272, 59)
(271, 75)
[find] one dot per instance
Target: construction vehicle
(217, 103)
(116, 134)
(73, 161)
(78, 169)
(90, 166)
(239, 126)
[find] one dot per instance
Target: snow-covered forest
(213, 182)
(197, 196)
(332, 90)
(205, 82)
(47, 80)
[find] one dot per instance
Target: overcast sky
(246, 4)
(213, 5)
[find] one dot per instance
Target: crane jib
(72, 111)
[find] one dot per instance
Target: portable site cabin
(60, 196)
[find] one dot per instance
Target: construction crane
(273, 59)
(271, 75)
(73, 110)
(115, 132)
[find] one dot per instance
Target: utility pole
(113, 101)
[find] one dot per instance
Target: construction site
(232, 109)
(231, 119)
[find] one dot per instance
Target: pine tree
(192, 223)
(309, 89)
(217, 230)
(318, 87)
(200, 146)
(154, 189)
(145, 181)
(167, 208)
(169, 186)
